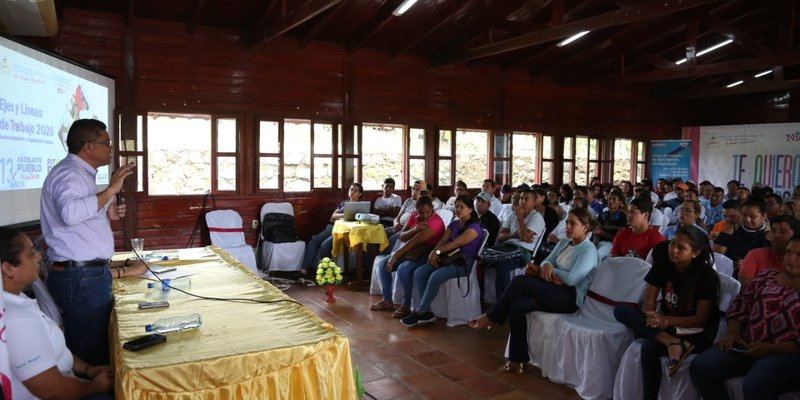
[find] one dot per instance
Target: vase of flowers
(329, 275)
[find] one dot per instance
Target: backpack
(278, 228)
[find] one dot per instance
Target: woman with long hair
(558, 285)
(684, 321)
(41, 364)
(464, 235)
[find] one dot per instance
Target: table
(355, 234)
(243, 350)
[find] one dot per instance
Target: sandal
(675, 364)
(510, 367)
(478, 324)
(402, 312)
(382, 305)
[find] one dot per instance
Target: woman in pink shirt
(782, 228)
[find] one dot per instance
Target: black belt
(81, 264)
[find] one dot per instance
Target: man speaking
(76, 227)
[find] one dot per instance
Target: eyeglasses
(106, 143)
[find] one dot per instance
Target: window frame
(216, 154)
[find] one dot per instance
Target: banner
(767, 154)
(670, 159)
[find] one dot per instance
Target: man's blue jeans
(84, 296)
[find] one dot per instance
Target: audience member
(407, 208)
(683, 278)
(782, 228)
(611, 220)
(41, 364)
(437, 204)
(752, 234)
(558, 285)
(678, 196)
(388, 204)
(762, 342)
(505, 194)
(714, 207)
(773, 203)
(464, 235)
(459, 189)
(486, 218)
(566, 194)
(688, 215)
(420, 234)
(638, 239)
(321, 244)
(490, 187)
(733, 190)
(732, 218)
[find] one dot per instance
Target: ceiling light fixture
(737, 83)
(760, 74)
(403, 7)
(572, 38)
(706, 50)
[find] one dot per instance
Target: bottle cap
(150, 285)
(148, 328)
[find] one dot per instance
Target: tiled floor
(432, 362)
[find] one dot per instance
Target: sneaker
(411, 320)
(426, 318)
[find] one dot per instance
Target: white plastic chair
(723, 264)
(588, 346)
(628, 382)
(225, 229)
(446, 215)
(280, 256)
(451, 302)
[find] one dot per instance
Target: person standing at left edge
(75, 220)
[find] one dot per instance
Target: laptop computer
(354, 207)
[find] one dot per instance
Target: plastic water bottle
(175, 324)
(167, 284)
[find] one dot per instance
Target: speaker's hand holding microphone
(117, 210)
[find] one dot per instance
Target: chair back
(723, 264)
(446, 216)
(617, 280)
(225, 228)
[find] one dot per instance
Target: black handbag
(455, 256)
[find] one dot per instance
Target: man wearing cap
(486, 218)
(489, 187)
(680, 190)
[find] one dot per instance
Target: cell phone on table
(144, 342)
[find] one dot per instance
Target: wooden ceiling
(630, 42)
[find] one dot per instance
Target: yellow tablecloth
(360, 233)
(243, 350)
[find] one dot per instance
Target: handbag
(419, 251)
(455, 256)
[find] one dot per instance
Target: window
(416, 155)
(323, 155)
(178, 153)
(348, 151)
(382, 154)
(297, 155)
(524, 159)
(501, 172)
(225, 154)
(640, 160)
(514, 158)
(547, 159)
(622, 160)
(587, 159)
(132, 151)
(445, 170)
(472, 156)
(568, 174)
(269, 154)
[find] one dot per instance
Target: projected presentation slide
(38, 103)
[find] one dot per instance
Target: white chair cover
(723, 264)
(490, 276)
(46, 302)
(541, 331)
(230, 237)
(376, 287)
(734, 387)
(446, 215)
(628, 383)
(280, 256)
(457, 304)
(591, 343)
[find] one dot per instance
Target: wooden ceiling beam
(556, 12)
(451, 13)
(198, 9)
(320, 25)
(761, 63)
(384, 15)
(293, 19)
(786, 25)
(648, 9)
(654, 60)
(740, 38)
(131, 12)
